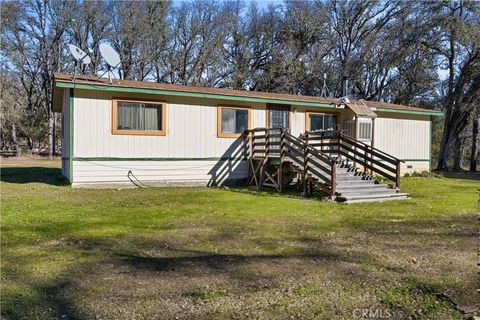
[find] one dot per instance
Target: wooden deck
(328, 160)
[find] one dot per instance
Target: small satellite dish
(79, 55)
(111, 57)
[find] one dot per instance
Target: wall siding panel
(104, 158)
(403, 136)
(203, 172)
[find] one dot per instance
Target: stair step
(354, 179)
(351, 174)
(370, 198)
(376, 199)
(377, 191)
(366, 186)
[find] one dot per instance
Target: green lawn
(200, 253)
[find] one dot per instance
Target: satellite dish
(79, 55)
(110, 55)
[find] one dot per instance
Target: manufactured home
(142, 133)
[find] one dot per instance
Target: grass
(232, 253)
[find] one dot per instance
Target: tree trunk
(475, 145)
(51, 134)
(14, 140)
(445, 143)
(458, 153)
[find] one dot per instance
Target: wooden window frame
(220, 134)
(116, 131)
(308, 113)
(267, 116)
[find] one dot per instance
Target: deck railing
(313, 165)
(370, 158)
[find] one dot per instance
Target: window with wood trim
(232, 121)
(321, 121)
(133, 117)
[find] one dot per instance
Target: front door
(278, 117)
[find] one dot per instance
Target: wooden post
(339, 146)
(261, 179)
(250, 156)
(250, 138)
(280, 168)
(305, 167)
(267, 143)
(333, 180)
(398, 174)
(365, 160)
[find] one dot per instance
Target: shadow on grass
(290, 192)
(22, 175)
(465, 175)
(55, 302)
(174, 259)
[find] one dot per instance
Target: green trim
(188, 94)
(61, 84)
(70, 133)
(430, 148)
(155, 159)
(426, 113)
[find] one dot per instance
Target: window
(232, 121)
(349, 127)
(318, 121)
(364, 130)
(278, 116)
(138, 117)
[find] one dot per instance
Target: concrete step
(352, 174)
(374, 192)
(354, 179)
(372, 198)
(362, 186)
(376, 199)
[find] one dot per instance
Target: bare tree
(452, 35)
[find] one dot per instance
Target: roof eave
(60, 83)
(68, 84)
(426, 112)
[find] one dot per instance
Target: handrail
(344, 135)
(350, 148)
(312, 162)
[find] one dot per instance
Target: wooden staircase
(324, 161)
(354, 186)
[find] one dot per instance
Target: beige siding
(65, 133)
(191, 130)
(191, 152)
(406, 137)
(158, 173)
(191, 136)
